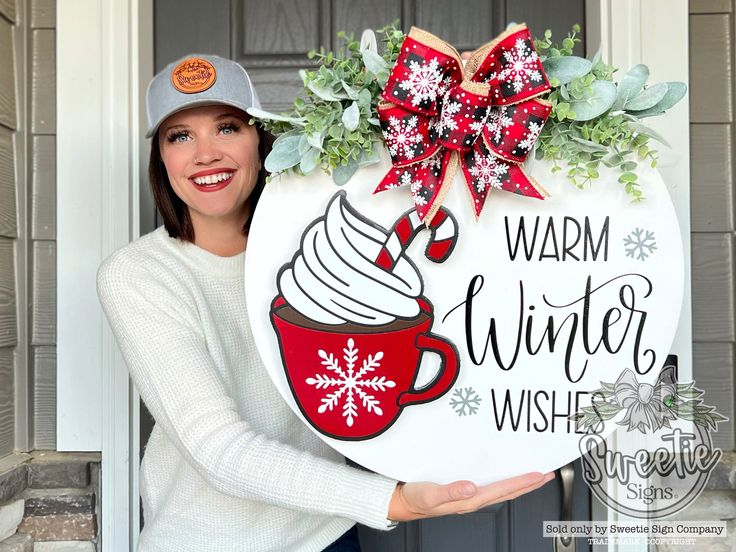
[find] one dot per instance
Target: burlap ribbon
(436, 115)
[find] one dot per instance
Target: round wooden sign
(459, 351)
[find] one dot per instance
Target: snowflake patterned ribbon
(484, 118)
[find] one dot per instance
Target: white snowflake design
(497, 122)
(487, 171)
(402, 136)
(531, 137)
(521, 65)
(406, 180)
(640, 244)
(350, 386)
(446, 120)
(424, 82)
(465, 401)
(434, 164)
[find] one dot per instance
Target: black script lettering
(574, 235)
(542, 410)
(576, 325)
(602, 241)
(567, 246)
(549, 233)
(521, 234)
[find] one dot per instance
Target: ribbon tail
(480, 169)
(436, 185)
(521, 183)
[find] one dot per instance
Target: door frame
(100, 161)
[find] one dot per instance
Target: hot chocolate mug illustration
(352, 324)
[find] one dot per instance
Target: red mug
(351, 382)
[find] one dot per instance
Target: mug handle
(446, 376)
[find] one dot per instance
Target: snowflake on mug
(424, 81)
(465, 401)
(522, 65)
(531, 137)
(349, 386)
(640, 244)
(498, 120)
(401, 136)
(487, 171)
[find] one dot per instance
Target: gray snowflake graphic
(640, 244)
(465, 401)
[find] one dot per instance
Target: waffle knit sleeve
(162, 341)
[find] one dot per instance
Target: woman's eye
(178, 137)
(228, 128)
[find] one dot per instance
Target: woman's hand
(412, 501)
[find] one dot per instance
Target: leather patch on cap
(193, 75)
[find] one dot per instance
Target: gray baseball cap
(194, 80)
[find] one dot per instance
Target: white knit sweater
(228, 466)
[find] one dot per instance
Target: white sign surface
(541, 299)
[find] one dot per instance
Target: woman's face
(211, 158)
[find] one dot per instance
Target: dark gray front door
(271, 39)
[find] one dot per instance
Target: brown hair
(174, 211)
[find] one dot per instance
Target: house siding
(712, 207)
(8, 230)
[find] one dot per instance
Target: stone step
(53, 470)
(20, 542)
(12, 482)
(43, 502)
(60, 527)
(64, 546)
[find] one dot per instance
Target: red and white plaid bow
(434, 113)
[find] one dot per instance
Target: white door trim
(98, 144)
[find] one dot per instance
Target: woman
(228, 466)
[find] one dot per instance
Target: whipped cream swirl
(334, 278)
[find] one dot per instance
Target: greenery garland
(594, 120)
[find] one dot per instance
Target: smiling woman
(208, 149)
(228, 465)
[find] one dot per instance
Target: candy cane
(442, 239)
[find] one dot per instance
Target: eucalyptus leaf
(675, 92)
(613, 160)
(630, 85)
(643, 129)
(647, 98)
(351, 117)
(309, 161)
(284, 155)
(368, 41)
(374, 121)
(364, 98)
(325, 92)
(349, 90)
(596, 103)
(587, 145)
(303, 146)
(303, 76)
(315, 139)
(370, 158)
(342, 173)
(566, 68)
(261, 114)
(373, 62)
(564, 93)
